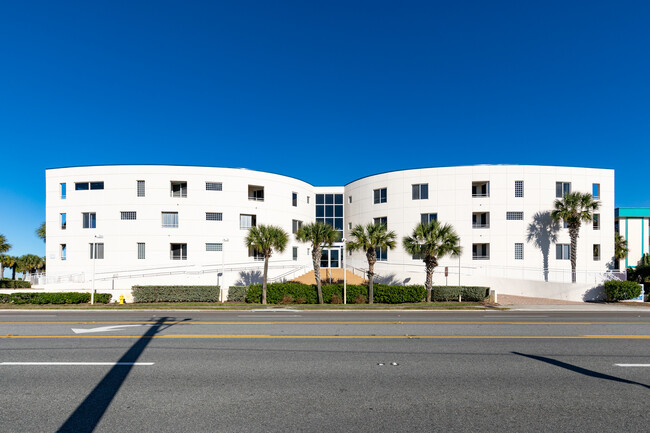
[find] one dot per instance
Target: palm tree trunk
(573, 234)
(429, 266)
(316, 255)
(266, 274)
(13, 272)
(2, 271)
(371, 277)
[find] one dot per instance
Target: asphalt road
(320, 371)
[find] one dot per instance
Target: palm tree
(318, 234)
(40, 231)
(28, 264)
(5, 261)
(620, 247)
(432, 241)
(369, 239)
(4, 246)
(574, 209)
(266, 239)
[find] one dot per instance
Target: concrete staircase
(335, 275)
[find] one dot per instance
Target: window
(349, 199)
(519, 251)
(170, 219)
(481, 189)
(519, 188)
(97, 251)
(255, 193)
(595, 190)
(294, 199)
(329, 210)
(140, 188)
(381, 220)
(420, 191)
(380, 195)
(428, 217)
(480, 251)
(563, 252)
(562, 189)
(141, 251)
(295, 226)
(256, 255)
(63, 191)
(596, 221)
(85, 186)
(214, 216)
(178, 251)
(295, 254)
(481, 220)
(130, 215)
(214, 247)
(349, 226)
(63, 221)
(382, 254)
(307, 199)
(213, 186)
(178, 188)
(89, 220)
(63, 250)
(247, 221)
(596, 252)
(514, 216)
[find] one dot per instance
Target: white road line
(76, 363)
(105, 328)
(250, 316)
(632, 365)
(515, 317)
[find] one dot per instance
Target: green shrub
(143, 294)
(384, 294)
(451, 293)
(15, 284)
(275, 292)
(640, 274)
(621, 290)
(237, 293)
(53, 298)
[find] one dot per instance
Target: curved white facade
(491, 207)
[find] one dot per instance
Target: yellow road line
(333, 323)
(308, 337)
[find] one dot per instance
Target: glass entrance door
(331, 258)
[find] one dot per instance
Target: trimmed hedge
(307, 294)
(53, 298)
(237, 294)
(467, 293)
(144, 294)
(15, 284)
(621, 290)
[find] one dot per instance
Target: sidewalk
(523, 303)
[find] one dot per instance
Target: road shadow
(542, 232)
(88, 414)
(576, 369)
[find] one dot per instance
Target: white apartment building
(122, 225)
(633, 223)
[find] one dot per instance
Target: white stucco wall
(121, 268)
(449, 195)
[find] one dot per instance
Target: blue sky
(323, 91)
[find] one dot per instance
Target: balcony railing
(481, 194)
(480, 257)
(480, 225)
(252, 197)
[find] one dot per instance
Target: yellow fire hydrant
(121, 299)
